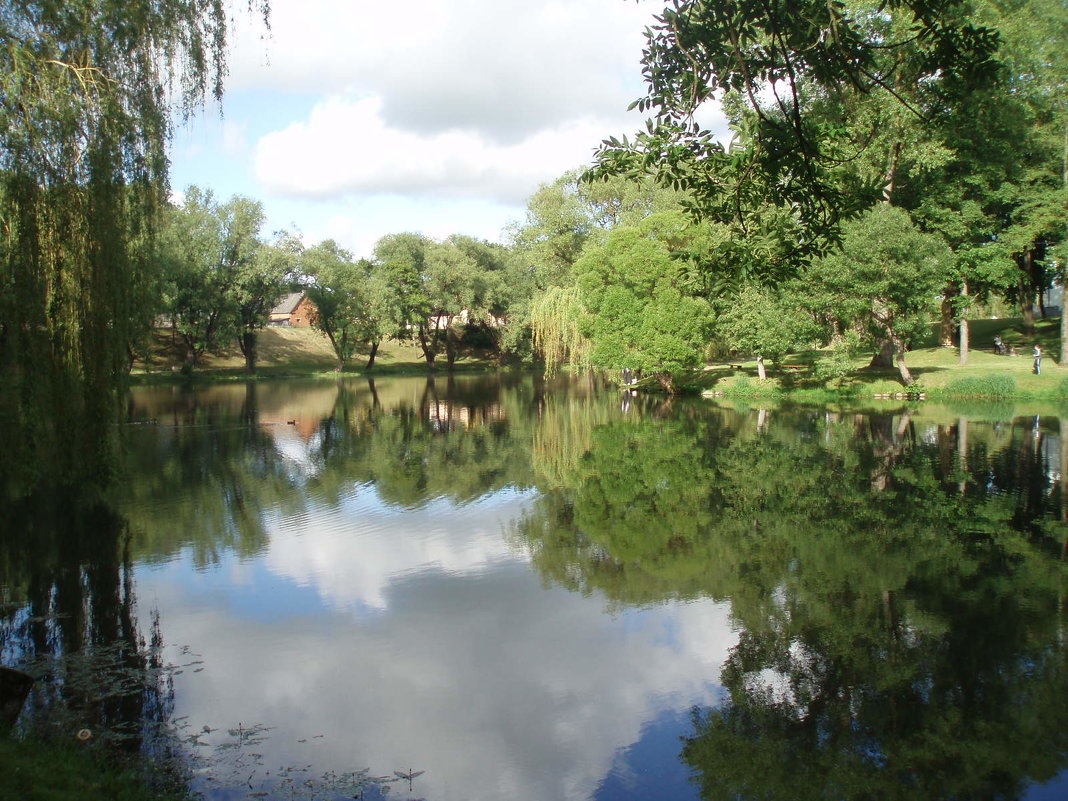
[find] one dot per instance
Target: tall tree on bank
(88, 91)
(401, 261)
(261, 284)
(221, 279)
(764, 323)
(337, 290)
(643, 314)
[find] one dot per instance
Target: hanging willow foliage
(556, 319)
(88, 92)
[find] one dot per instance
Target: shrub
(1000, 385)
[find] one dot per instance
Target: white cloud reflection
(431, 646)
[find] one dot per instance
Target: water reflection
(541, 591)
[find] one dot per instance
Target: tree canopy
(775, 65)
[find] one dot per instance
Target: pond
(478, 588)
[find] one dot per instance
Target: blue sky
(351, 119)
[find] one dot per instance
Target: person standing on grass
(1038, 360)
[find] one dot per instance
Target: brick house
(295, 309)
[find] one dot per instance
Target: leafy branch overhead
(772, 64)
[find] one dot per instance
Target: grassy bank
(33, 770)
(288, 352)
(937, 370)
(304, 352)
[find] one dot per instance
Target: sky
(352, 119)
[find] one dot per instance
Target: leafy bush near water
(999, 385)
(744, 387)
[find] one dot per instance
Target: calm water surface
(490, 588)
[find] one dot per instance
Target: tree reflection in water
(70, 621)
(896, 578)
(900, 614)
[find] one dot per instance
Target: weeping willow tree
(88, 93)
(555, 319)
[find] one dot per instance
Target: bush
(1000, 385)
(744, 387)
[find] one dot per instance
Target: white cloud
(353, 119)
(346, 146)
(503, 67)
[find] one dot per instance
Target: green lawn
(289, 352)
(937, 370)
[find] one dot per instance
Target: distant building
(296, 309)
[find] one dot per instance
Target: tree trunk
(428, 346)
(1027, 295)
(248, 343)
(371, 355)
(190, 356)
(964, 332)
(337, 350)
(131, 357)
(885, 356)
(450, 348)
(902, 368)
(760, 368)
(946, 324)
(666, 381)
(891, 173)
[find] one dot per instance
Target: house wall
(301, 316)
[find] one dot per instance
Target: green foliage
(45, 771)
(763, 322)
(884, 277)
(998, 385)
(745, 387)
(882, 282)
(642, 313)
(350, 305)
(557, 320)
(777, 66)
(837, 361)
(220, 280)
(561, 218)
(88, 88)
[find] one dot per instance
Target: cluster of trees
(883, 156)
(890, 164)
(219, 280)
(88, 94)
(952, 113)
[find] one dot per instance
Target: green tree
(764, 323)
(338, 292)
(90, 90)
(221, 281)
(884, 279)
(401, 261)
(561, 218)
(196, 288)
(642, 312)
(262, 281)
(773, 65)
